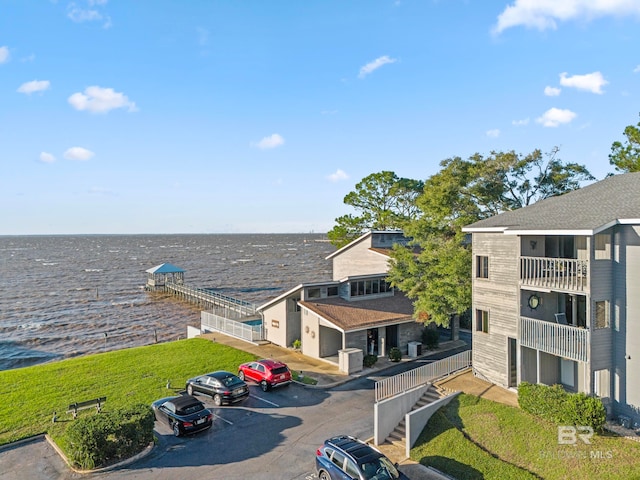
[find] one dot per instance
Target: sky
(259, 116)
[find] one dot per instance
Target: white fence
(403, 382)
(212, 322)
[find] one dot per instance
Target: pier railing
(403, 382)
(222, 305)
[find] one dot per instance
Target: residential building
(556, 294)
(358, 309)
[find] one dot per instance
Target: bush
(395, 355)
(369, 360)
(98, 440)
(430, 338)
(296, 344)
(553, 403)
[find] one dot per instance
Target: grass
(474, 438)
(30, 395)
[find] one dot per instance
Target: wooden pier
(221, 305)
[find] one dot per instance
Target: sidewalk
(326, 373)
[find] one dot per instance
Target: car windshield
(279, 370)
(189, 409)
(379, 469)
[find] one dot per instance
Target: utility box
(415, 349)
(350, 360)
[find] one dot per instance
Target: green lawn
(473, 438)
(29, 396)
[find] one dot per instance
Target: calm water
(63, 296)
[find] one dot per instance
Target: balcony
(564, 274)
(560, 340)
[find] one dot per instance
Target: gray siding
(499, 295)
(359, 260)
(626, 321)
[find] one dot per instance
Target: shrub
(553, 403)
(296, 344)
(98, 440)
(395, 355)
(430, 338)
(369, 360)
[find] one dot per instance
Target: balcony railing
(561, 340)
(566, 274)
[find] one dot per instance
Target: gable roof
(360, 314)
(587, 211)
(363, 237)
(165, 268)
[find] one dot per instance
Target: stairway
(397, 437)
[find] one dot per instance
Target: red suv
(266, 372)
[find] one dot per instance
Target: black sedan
(184, 414)
(223, 387)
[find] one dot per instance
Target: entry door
(391, 336)
(513, 363)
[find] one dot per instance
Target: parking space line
(223, 419)
(264, 400)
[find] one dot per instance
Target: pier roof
(165, 268)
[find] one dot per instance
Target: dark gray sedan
(223, 387)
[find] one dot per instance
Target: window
(338, 459)
(275, 323)
(602, 246)
(351, 469)
(332, 291)
(482, 266)
(482, 321)
(313, 293)
(602, 314)
(369, 287)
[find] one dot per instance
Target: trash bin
(414, 349)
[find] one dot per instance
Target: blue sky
(260, 116)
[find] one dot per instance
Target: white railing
(210, 321)
(234, 307)
(557, 273)
(403, 382)
(561, 340)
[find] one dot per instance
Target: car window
(230, 380)
(279, 370)
(260, 368)
(351, 469)
(169, 406)
(338, 459)
(380, 469)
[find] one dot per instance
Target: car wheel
(324, 476)
(217, 400)
(190, 389)
(176, 429)
(241, 375)
(264, 385)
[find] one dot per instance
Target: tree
(383, 200)
(626, 158)
(438, 277)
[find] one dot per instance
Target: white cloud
(338, 176)
(495, 133)
(556, 116)
(4, 54)
(272, 141)
(376, 64)
(100, 100)
(637, 69)
(47, 157)
(552, 91)
(519, 123)
(543, 14)
(78, 153)
(80, 14)
(34, 86)
(591, 82)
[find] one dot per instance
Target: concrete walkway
(467, 383)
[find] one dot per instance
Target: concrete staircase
(399, 434)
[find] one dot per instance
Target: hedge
(558, 406)
(99, 440)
